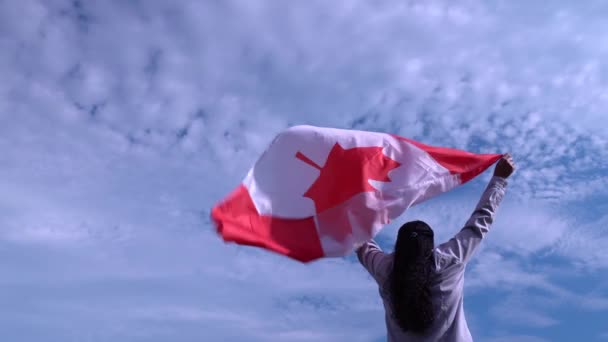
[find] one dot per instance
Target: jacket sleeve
(464, 244)
(374, 260)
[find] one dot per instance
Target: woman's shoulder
(444, 261)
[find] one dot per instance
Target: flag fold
(320, 192)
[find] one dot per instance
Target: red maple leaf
(346, 173)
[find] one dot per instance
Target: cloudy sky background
(123, 122)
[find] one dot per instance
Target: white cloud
(172, 280)
(521, 338)
(519, 311)
(122, 123)
(585, 243)
(493, 270)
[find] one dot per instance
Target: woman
(422, 286)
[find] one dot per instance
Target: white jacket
(450, 260)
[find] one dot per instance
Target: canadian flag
(321, 192)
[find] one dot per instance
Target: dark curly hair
(410, 278)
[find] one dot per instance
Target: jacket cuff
(502, 182)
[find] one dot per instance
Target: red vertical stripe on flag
(237, 220)
(467, 165)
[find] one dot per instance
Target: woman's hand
(505, 166)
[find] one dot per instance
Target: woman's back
(447, 279)
(447, 297)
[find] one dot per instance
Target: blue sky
(123, 122)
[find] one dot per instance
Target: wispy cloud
(519, 311)
(522, 338)
(121, 124)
